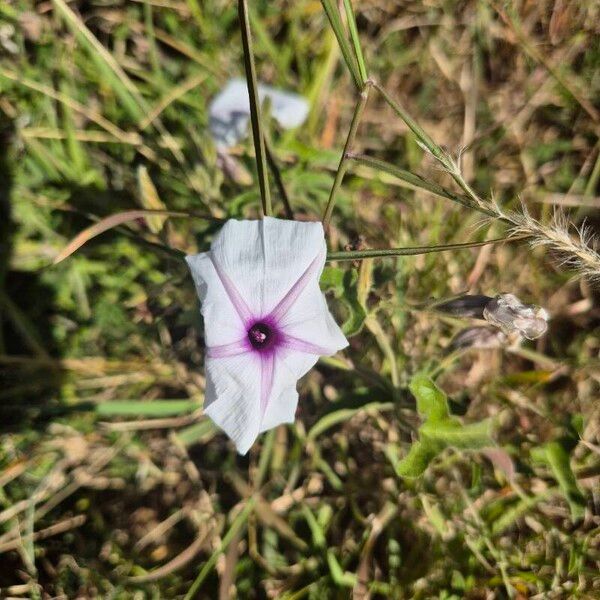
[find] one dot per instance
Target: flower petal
(230, 110)
(225, 350)
(269, 270)
(281, 407)
(312, 271)
(232, 397)
(294, 343)
(223, 323)
(265, 258)
(234, 296)
(308, 321)
(267, 368)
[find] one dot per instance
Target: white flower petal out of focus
(509, 314)
(229, 110)
(266, 321)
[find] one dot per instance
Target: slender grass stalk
(416, 250)
(362, 68)
(342, 167)
(445, 160)
(421, 134)
(419, 182)
(255, 117)
(338, 28)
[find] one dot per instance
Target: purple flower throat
(262, 336)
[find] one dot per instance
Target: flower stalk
(255, 116)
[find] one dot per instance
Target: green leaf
(472, 436)
(340, 577)
(338, 28)
(343, 284)
(440, 429)
(558, 459)
(332, 279)
(421, 453)
(432, 403)
(111, 71)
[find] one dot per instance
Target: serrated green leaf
(432, 403)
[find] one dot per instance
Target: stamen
(260, 335)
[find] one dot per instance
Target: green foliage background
(114, 485)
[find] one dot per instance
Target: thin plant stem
(342, 167)
(416, 250)
(255, 117)
(289, 213)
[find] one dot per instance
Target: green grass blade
(150, 408)
(338, 28)
(340, 577)
(417, 181)
(237, 524)
(115, 76)
(559, 460)
(196, 433)
(362, 68)
(339, 416)
(421, 134)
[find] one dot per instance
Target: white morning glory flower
(230, 111)
(266, 321)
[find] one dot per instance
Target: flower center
(260, 335)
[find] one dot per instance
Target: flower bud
(509, 314)
(467, 305)
(478, 337)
